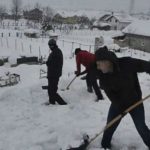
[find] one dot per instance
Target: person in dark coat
(54, 72)
(119, 80)
(87, 59)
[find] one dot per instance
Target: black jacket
(55, 64)
(122, 86)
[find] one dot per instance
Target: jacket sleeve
(78, 64)
(138, 65)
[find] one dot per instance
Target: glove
(77, 73)
(83, 78)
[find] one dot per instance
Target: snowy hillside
(27, 124)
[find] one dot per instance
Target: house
(116, 21)
(101, 26)
(34, 14)
(136, 36)
(3, 15)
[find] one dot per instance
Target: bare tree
(16, 8)
(48, 14)
(2, 12)
(37, 5)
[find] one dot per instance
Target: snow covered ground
(27, 124)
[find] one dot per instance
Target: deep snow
(27, 124)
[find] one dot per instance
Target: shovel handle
(67, 88)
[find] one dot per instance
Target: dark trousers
(91, 81)
(138, 117)
(52, 91)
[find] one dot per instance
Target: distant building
(101, 26)
(9, 16)
(34, 15)
(136, 36)
(32, 33)
(116, 21)
(4, 16)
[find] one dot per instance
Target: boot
(89, 89)
(48, 103)
(99, 98)
(106, 146)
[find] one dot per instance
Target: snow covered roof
(102, 24)
(118, 16)
(31, 31)
(122, 17)
(52, 33)
(140, 27)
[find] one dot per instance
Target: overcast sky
(116, 5)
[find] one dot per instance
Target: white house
(117, 21)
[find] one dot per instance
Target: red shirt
(85, 58)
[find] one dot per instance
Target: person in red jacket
(87, 59)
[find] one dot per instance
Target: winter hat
(104, 54)
(77, 50)
(52, 42)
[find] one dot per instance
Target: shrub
(1, 62)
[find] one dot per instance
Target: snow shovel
(86, 145)
(67, 88)
(83, 145)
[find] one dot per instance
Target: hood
(105, 54)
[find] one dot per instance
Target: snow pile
(139, 27)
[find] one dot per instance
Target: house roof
(122, 18)
(101, 24)
(104, 17)
(139, 27)
(35, 10)
(119, 17)
(31, 31)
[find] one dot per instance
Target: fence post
(15, 44)
(1, 42)
(39, 52)
(72, 45)
(30, 49)
(72, 49)
(17, 34)
(90, 48)
(22, 46)
(7, 43)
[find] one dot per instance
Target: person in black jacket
(54, 72)
(118, 78)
